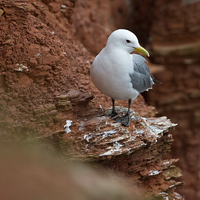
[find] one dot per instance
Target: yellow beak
(142, 50)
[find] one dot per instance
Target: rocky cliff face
(44, 81)
(41, 61)
(135, 152)
(171, 29)
(176, 45)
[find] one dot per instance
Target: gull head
(126, 40)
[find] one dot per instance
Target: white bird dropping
(67, 125)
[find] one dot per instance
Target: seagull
(119, 74)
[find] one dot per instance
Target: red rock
(72, 94)
(54, 7)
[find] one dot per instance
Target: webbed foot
(124, 120)
(113, 114)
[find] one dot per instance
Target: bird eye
(128, 41)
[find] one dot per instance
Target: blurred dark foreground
(31, 172)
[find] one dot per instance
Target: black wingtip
(157, 82)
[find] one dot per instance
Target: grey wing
(141, 77)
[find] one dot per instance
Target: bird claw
(124, 120)
(113, 115)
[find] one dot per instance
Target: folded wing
(141, 78)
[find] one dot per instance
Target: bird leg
(113, 113)
(126, 119)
